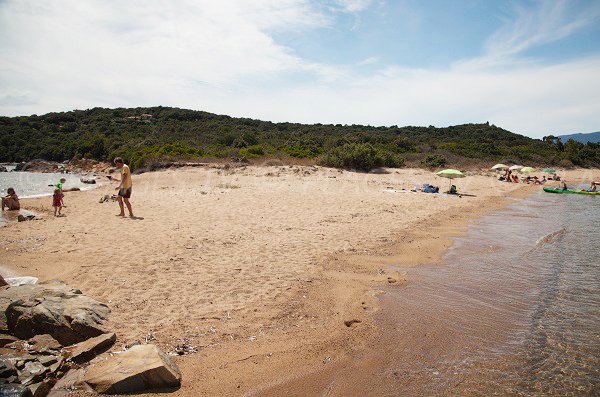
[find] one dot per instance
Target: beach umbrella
(500, 167)
(527, 170)
(450, 174)
(549, 170)
(515, 167)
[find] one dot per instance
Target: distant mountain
(584, 138)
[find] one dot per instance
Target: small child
(57, 202)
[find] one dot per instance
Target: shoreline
(431, 246)
(341, 252)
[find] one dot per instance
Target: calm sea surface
(514, 310)
(32, 184)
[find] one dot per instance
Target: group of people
(508, 176)
(11, 200)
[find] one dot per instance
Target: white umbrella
(515, 167)
(500, 167)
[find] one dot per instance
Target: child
(11, 200)
(59, 186)
(57, 202)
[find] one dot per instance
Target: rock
(3, 168)
(48, 360)
(72, 189)
(7, 368)
(143, 367)
(89, 181)
(16, 281)
(43, 344)
(13, 390)
(53, 308)
(23, 218)
(5, 339)
(2, 281)
(39, 165)
(32, 372)
(72, 380)
(86, 350)
(20, 166)
(40, 389)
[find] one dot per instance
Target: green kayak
(568, 191)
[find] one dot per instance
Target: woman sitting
(11, 200)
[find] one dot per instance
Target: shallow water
(513, 310)
(33, 184)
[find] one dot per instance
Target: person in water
(592, 187)
(11, 200)
(564, 185)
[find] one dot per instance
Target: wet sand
(259, 273)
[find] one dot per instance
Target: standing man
(124, 187)
(59, 186)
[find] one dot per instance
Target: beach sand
(260, 275)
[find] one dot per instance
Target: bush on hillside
(360, 157)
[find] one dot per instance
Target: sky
(532, 67)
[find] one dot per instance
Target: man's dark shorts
(125, 193)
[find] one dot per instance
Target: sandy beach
(258, 275)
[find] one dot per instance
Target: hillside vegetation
(179, 134)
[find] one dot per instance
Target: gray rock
(53, 308)
(87, 350)
(143, 367)
(13, 390)
(32, 372)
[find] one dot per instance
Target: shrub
(360, 156)
(434, 160)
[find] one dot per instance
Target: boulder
(89, 181)
(86, 350)
(53, 308)
(143, 367)
(2, 281)
(3, 168)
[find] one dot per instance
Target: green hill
(146, 135)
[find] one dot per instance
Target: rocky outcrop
(51, 308)
(2, 281)
(143, 367)
(40, 166)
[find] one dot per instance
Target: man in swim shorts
(124, 187)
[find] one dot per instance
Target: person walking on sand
(124, 187)
(11, 200)
(59, 186)
(57, 202)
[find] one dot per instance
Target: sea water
(34, 184)
(513, 310)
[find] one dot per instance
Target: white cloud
(222, 57)
(552, 20)
(353, 5)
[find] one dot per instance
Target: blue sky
(532, 67)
